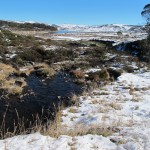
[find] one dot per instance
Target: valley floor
(105, 36)
(113, 114)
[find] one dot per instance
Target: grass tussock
(74, 100)
(99, 75)
(78, 74)
(9, 85)
(45, 70)
(13, 86)
(80, 130)
(5, 71)
(72, 110)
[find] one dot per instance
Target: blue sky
(92, 12)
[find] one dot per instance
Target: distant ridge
(102, 28)
(25, 25)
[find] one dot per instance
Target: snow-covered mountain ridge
(102, 28)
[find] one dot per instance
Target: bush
(95, 56)
(31, 55)
(7, 38)
(78, 74)
(104, 74)
(3, 50)
(115, 73)
(99, 75)
(119, 33)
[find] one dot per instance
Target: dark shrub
(115, 73)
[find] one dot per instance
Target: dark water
(40, 98)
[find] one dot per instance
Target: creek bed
(40, 98)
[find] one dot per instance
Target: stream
(41, 98)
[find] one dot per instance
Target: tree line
(26, 26)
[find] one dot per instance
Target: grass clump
(99, 75)
(80, 130)
(95, 55)
(115, 106)
(72, 110)
(78, 74)
(9, 85)
(104, 74)
(5, 71)
(12, 87)
(44, 70)
(74, 100)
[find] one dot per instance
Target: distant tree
(146, 14)
(119, 33)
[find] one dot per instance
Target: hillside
(102, 28)
(12, 25)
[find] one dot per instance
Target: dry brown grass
(72, 110)
(46, 69)
(134, 99)
(56, 128)
(104, 74)
(96, 77)
(7, 83)
(74, 100)
(95, 101)
(106, 106)
(5, 71)
(12, 88)
(78, 74)
(79, 130)
(115, 106)
(92, 129)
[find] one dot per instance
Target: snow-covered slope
(102, 28)
(122, 106)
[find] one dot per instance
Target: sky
(88, 12)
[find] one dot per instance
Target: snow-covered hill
(102, 28)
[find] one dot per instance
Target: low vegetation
(44, 70)
(56, 128)
(36, 55)
(10, 85)
(25, 26)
